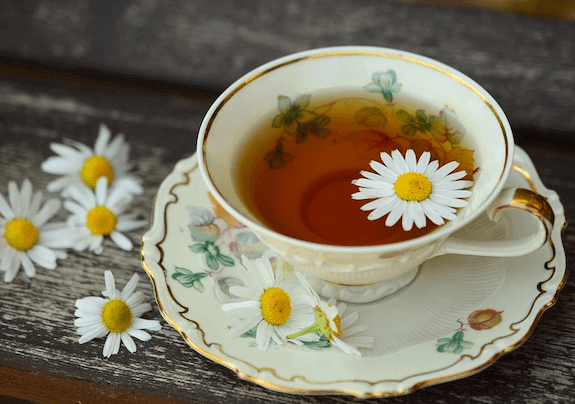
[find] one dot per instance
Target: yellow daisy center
(275, 305)
(21, 234)
(116, 316)
(337, 322)
(101, 221)
(94, 168)
(412, 187)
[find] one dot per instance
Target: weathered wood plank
(36, 317)
(525, 62)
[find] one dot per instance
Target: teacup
(362, 274)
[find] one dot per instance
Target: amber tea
(295, 173)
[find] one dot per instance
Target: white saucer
(456, 317)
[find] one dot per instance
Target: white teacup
(366, 273)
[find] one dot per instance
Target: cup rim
(440, 233)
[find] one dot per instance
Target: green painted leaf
(212, 262)
(225, 260)
(371, 117)
(199, 248)
(322, 343)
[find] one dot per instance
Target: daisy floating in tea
(412, 190)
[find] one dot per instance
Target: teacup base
(363, 293)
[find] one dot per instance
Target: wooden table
(159, 112)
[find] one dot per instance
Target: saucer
(455, 318)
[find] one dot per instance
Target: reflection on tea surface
(295, 174)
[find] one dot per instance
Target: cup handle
(509, 198)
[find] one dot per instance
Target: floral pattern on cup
(440, 134)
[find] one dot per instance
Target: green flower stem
(312, 328)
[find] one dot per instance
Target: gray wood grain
(526, 63)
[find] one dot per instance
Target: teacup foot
(362, 293)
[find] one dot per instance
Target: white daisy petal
(89, 333)
(407, 217)
(396, 213)
(50, 208)
(59, 184)
(42, 256)
(112, 344)
(139, 334)
(6, 259)
(130, 287)
(128, 342)
(388, 205)
(102, 140)
(15, 200)
(443, 171)
(121, 241)
(57, 165)
(101, 191)
(26, 195)
(110, 283)
(35, 204)
(411, 160)
(423, 162)
(242, 309)
(5, 209)
(28, 266)
(399, 161)
(263, 336)
(244, 326)
(129, 225)
(386, 173)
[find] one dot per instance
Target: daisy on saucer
(277, 307)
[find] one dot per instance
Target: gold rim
(270, 385)
(351, 53)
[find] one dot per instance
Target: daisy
(26, 237)
(330, 321)
(414, 190)
(98, 214)
(277, 307)
(78, 164)
(117, 315)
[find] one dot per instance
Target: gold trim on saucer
(265, 383)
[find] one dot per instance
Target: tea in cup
(283, 148)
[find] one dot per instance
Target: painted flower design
(412, 190)
(26, 237)
(330, 321)
(80, 165)
(456, 344)
(214, 256)
(189, 279)
(291, 114)
(484, 319)
(202, 226)
(384, 83)
(276, 307)
(98, 214)
(454, 128)
(300, 122)
(247, 243)
(116, 316)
